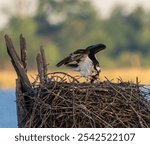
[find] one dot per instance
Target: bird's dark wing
(73, 65)
(95, 48)
(75, 56)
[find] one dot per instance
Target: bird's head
(97, 68)
(95, 74)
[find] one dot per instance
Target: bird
(85, 61)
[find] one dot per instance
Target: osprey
(85, 61)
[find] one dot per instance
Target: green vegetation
(63, 26)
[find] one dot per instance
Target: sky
(103, 6)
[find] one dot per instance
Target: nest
(63, 102)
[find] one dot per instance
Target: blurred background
(63, 26)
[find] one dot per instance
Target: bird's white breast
(85, 67)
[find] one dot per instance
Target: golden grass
(128, 74)
(8, 77)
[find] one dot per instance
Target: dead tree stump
(24, 89)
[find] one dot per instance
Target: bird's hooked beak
(98, 69)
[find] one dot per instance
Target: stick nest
(61, 101)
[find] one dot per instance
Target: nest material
(59, 103)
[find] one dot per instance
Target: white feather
(85, 67)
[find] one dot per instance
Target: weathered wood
(23, 105)
(23, 52)
(18, 65)
(40, 68)
(43, 61)
(18, 100)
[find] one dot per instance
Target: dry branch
(18, 64)
(43, 61)
(23, 51)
